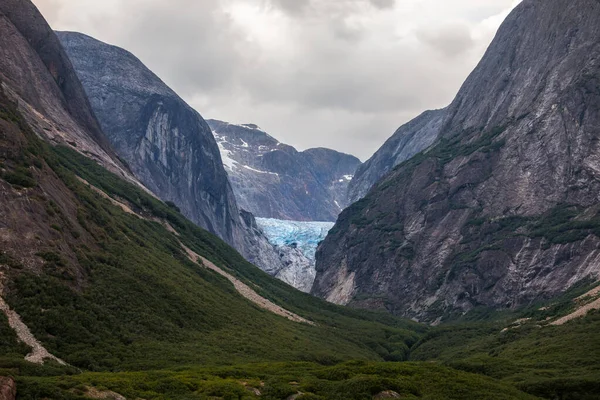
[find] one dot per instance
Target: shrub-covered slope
(105, 289)
(104, 283)
(533, 349)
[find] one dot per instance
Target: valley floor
(351, 380)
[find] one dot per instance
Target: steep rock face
(37, 74)
(410, 139)
(503, 209)
(274, 180)
(8, 388)
(286, 263)
(166, 143)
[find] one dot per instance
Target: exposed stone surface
(503, 209)
(38, 352)
(274, 180)
(388, 394)
(245, 290)
(585, 303)
(8, 388)
(166, 143)
(410, 139)
(94, 393)
(36, 73)
(298, 270)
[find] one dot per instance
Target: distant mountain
(274, 180)
(166, 143)
(410, 139)
(503, 209)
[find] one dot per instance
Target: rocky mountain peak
(36, 73)
(410, 139)
(501, 210)
(274, 180)
(167, 144)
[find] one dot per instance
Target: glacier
(301, 234)
(296, 242)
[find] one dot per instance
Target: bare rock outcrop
(167, 144)
(503, 209)
(410, 139)
(8, 388)
(36, 72)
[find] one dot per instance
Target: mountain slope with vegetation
(98, 270)
(140, 303)
(503, 209)
(111, 289)
(167, 144)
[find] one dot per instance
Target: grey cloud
(293, 7)
(383, 4)
(195, 51)
(334, 77)
(344, 31)
(449, 40)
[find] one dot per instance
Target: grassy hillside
(347, 381)
(555, 362)
(115, 296)
(116, 291)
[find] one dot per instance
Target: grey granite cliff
(504, 208)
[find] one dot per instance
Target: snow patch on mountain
(273, 180)
(228, 162)
(259, 171)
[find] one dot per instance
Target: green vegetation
(446, 150)
(121, 303)
(561, 225)
(554, 362)
(9, 344)
(463, 145)
(20, 177)
(144, 305)
(347, 381)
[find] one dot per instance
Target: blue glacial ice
(304, 235)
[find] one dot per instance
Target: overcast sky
(342, 74)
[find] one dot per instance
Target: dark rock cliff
(274, 180)
(410, 139)
(166, 143)
(36, 72)
(504, 208)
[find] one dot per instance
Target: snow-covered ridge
(226, 154)
(228, 162)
